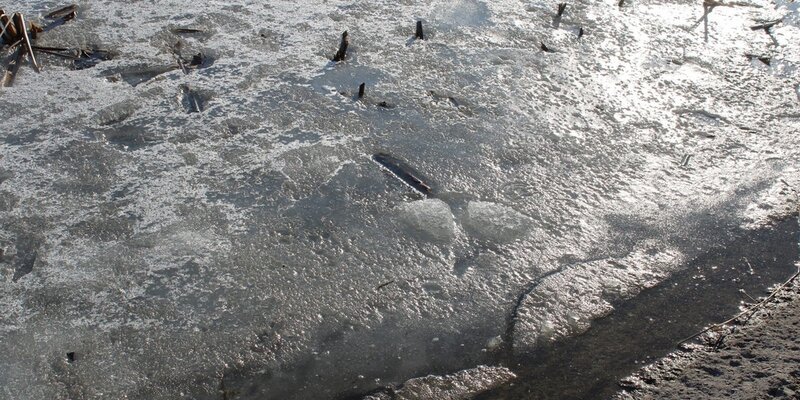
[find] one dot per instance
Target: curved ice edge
(775, 203)
(461, 385)
(566, 302)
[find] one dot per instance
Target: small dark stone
(71, 357)
(544, 47)
(384, 104)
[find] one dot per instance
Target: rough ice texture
(169, 250)
(548, 311)
(758, 360)
(778, 201)
(496, 222)
(462, 385)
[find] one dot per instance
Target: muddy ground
(757, 358)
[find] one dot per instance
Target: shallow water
(249, 245)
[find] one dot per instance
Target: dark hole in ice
(71, 357)
(192, 100)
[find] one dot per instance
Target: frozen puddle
(224, 227)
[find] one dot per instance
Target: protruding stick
(342, 53)
(561, 8)
(61, 12)
(419, 34)
(59, 21)
(361, 89)
(10, 34)
(544, 47)
(19, 22)
(580, 32)
(766, 26)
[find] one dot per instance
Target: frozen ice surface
(431, 218)
(565, 303)
(254, 248)
(463, 385)
(496, 222)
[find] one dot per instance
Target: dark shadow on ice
(27, 247)
(641, 330)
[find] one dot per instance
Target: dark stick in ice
(561, 8)
(544, 47)
(361, 89)
(186, 30)
(580, 32)
(766, 26)
(342, 53)
(62, 12)
(764, 59)
(402, 172)
(59, 21)
(19, 21)
(419, 34)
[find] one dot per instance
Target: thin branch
(750, 310)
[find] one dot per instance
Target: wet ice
(248, 240)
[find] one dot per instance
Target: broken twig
(402, 172)
(383, 285)
(766, 26)
(750, 310)
(561, 8)
(186, 30)
(60, 21)
(19, 22)
(342, 53)
(9, 31)
(764, 59)
(419, 34)
(62, 12)
(361, 89)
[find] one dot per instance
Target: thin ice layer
(255, 247)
